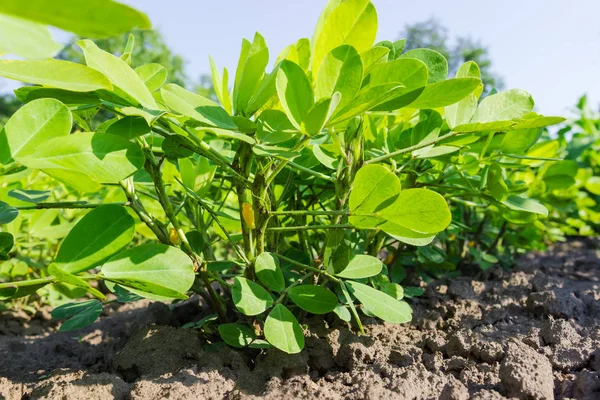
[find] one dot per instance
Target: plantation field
(345, 219)
(528, 333)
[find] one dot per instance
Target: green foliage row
(282, 198)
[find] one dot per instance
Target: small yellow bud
(174, 237)
(248, 215)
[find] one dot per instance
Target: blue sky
(551, 48)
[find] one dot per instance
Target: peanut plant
(277, 199)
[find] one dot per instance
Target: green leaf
(517, 142)
(341, 72)
(412, 291)
(462, 112)
(373, 56)
(152, 270)
(419, 210)
(90, 19)
(411, 237)
(437, 65)
(251, 67)
(283, 331)
(369, 98)
(221, 85)
(194, 106)
(7, 242)
(445, 93)
(153, 75)
(25, 38)
(314, 299)
(319, 114)
(118, 73)
(249, 297)
(374, 188)
(260, 344)
(30, 196)
(381, 304)
(124, 295)
(519, 203)
(342, 313)
(101, 157)
(274, 127)
(504, 106)
(294, 92)
(177, 146)
(55, 74)
(79, 314)
(495, 182)
(129, 127)
(352, 22)
(29, 93)
(361, 266)
(236, 335)
(7, 213)
(394, 290)
(268, 271)
(560, 175)
(34, 124)
(97, 236)
(65, 277)
(593, 185)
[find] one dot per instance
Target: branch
(410, 149)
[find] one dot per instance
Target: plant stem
(530, 158)
(410, 149)
(138, 207)
(293, 285)
(213, 214)
(68, 205)
(308, 228)
(310, 171)
(498, 237)
(308, 267)
(309, 212)
(41, 281)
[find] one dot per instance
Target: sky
(550, 48)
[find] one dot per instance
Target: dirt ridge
(529, 333)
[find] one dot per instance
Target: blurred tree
(432, 34)
(8, 105)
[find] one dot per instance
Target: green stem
(68, 205)
(293, 285)
(530, 158)
(138, 207)
(308, 227)
(410, 149)
(310, 171)
(309, 212)
(41, 281)
(213, 214)
(308, 267)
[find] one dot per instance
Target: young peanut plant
(278, 198)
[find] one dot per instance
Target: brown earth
(529, 333)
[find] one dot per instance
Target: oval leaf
(34, 124)
(361, 266)
(249, 297)
(100, 234)
(314, 299)
(236, 335)
(283, 331)
(158, 265)
(381, 304)
(269, 272)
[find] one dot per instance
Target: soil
(530, 333)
